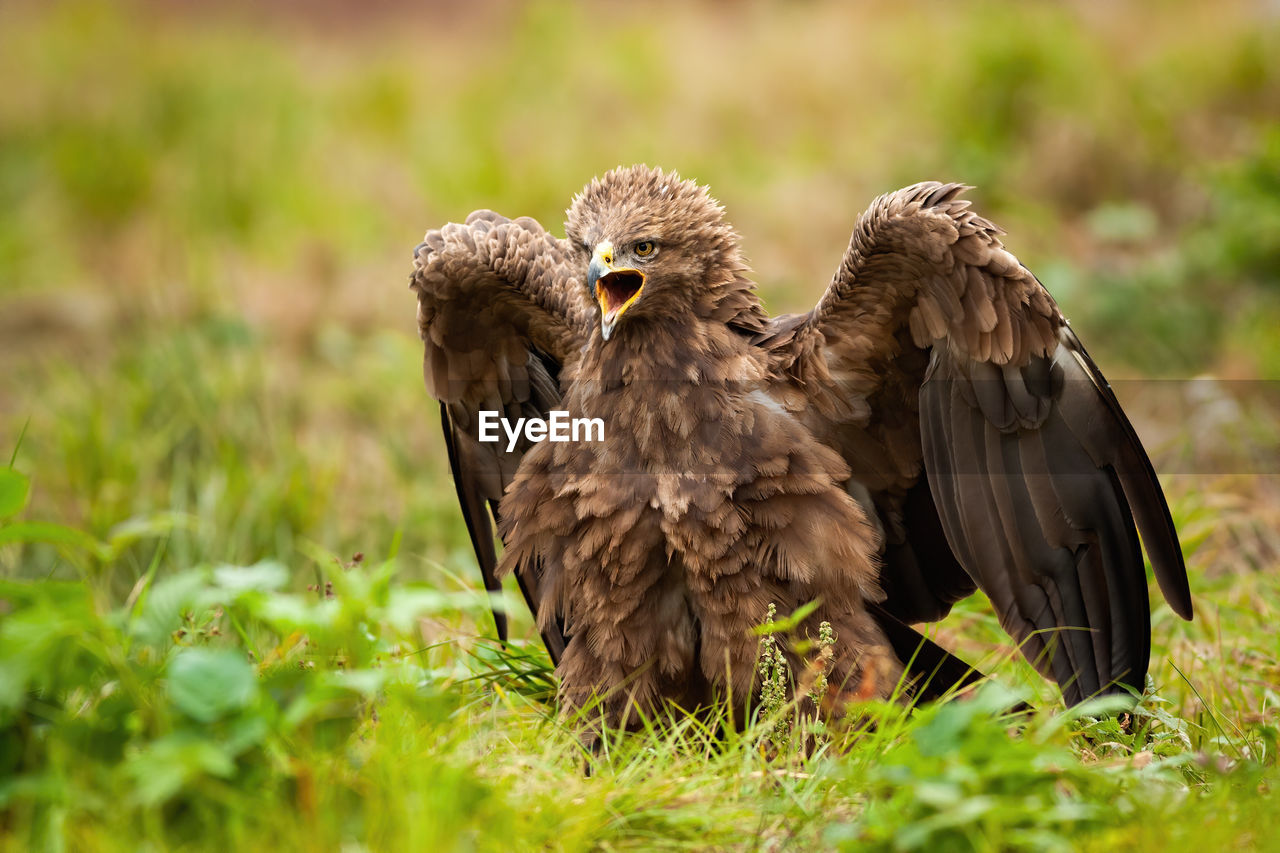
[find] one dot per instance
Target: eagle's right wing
(502, 311)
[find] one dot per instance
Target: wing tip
(1182, 605)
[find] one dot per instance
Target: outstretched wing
(935, 348)
(501, 312)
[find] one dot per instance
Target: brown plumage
(931, 427)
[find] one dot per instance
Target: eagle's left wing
(935, 348)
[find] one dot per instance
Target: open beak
(615, 289)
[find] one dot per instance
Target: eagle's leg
(729, 609)
(859, 665)
(631, 656)
(863, 664)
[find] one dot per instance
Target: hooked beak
(615, 289)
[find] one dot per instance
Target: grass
(215, 707)
(211, 387)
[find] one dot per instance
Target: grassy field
(237, 603)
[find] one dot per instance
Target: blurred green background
(207, 212)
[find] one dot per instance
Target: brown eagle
(933, 426)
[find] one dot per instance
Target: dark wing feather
(1138, 480)
(1036, 511)
(472, 502)
(501, 312)
(934, 672)
(922, 577)
(935, 349)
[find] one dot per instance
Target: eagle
(932, 427)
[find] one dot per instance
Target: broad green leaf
(162, 611)
(367, 682)
(247, 731)
(411, 603)
(13, 492)
(49, 533)
(286, 613)
(165, 766)
(13, 685)
(207, 684)
(265, 576)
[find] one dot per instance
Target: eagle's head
(656, 246)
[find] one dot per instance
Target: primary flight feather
(931, 427)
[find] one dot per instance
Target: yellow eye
(645, 248)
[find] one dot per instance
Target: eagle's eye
(645, 248)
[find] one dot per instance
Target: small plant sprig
(822, 664)
(774, 675)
